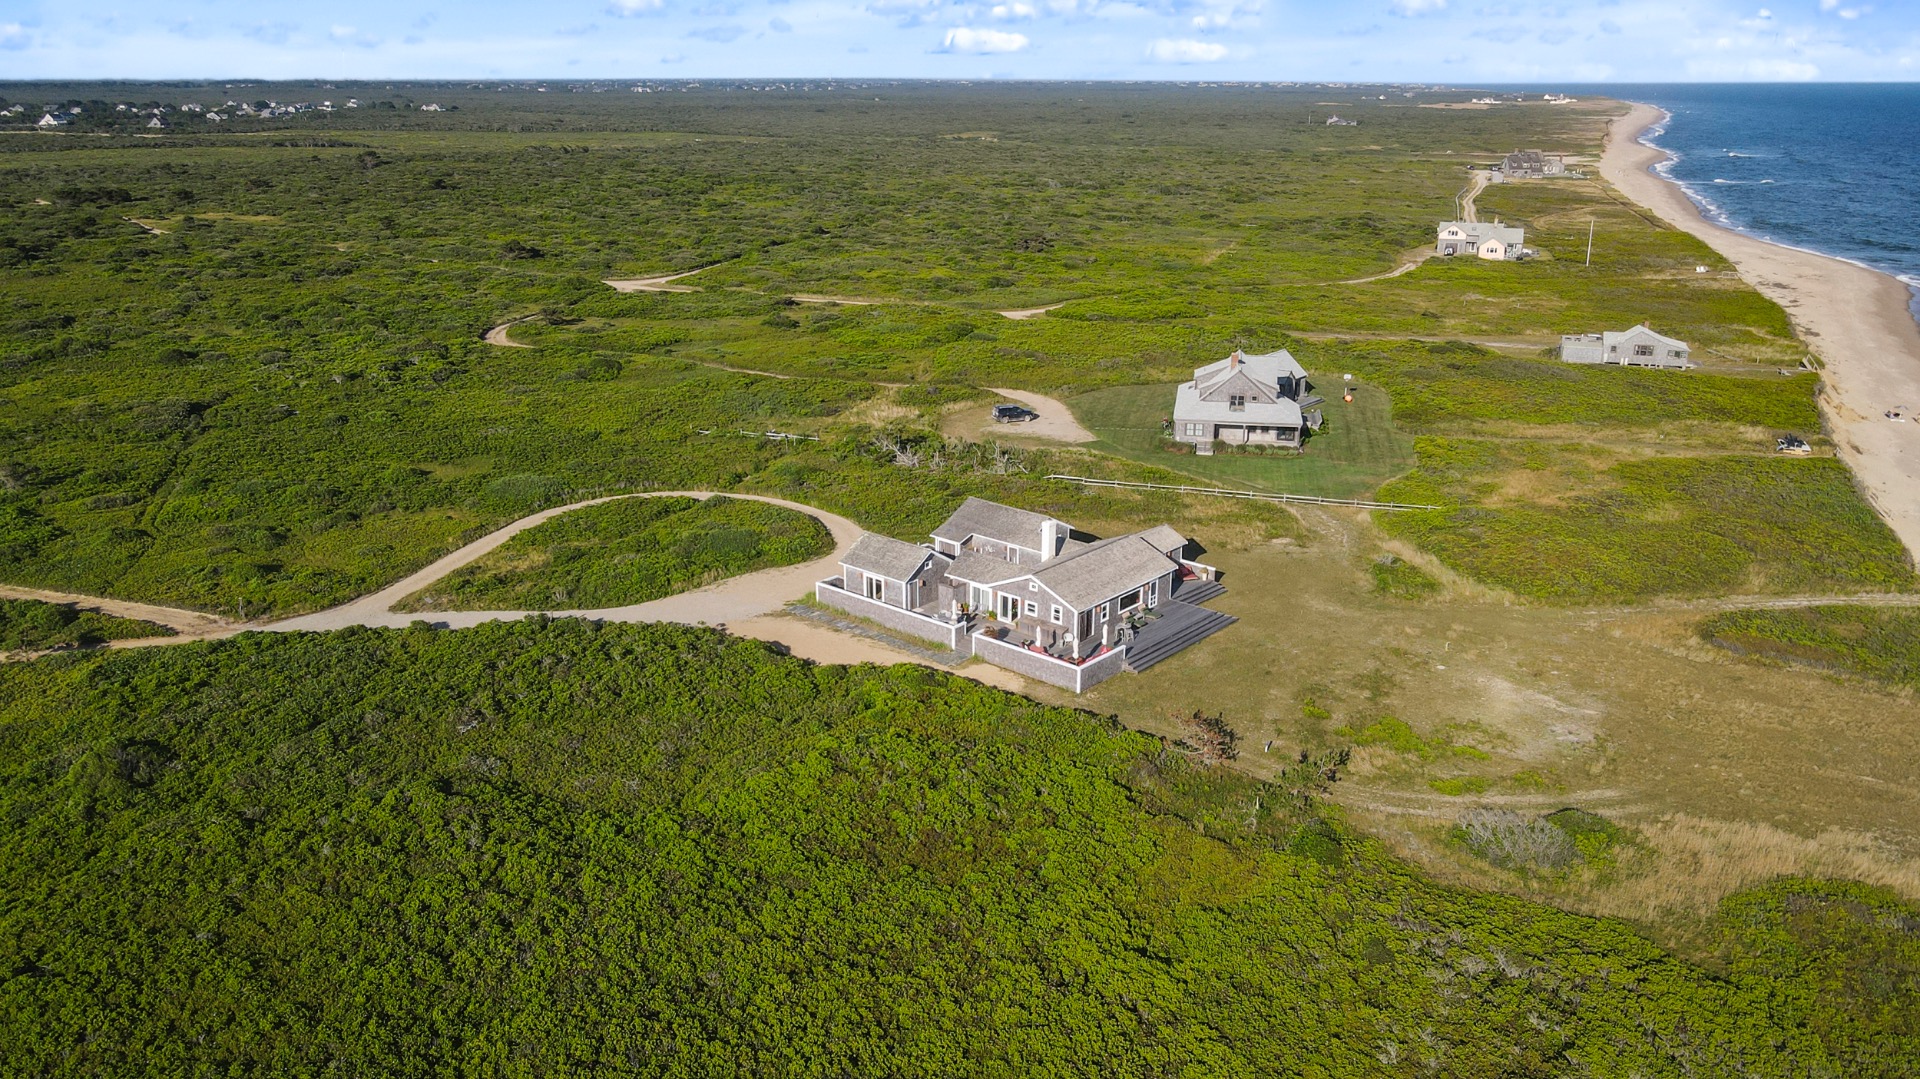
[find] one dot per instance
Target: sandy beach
(1855, 319)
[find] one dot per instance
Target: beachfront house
(1493, 241)
(1636, 347)
(1243, 400)
(1017, 589)
(1531, 165)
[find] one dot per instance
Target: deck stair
(1179, 625)
(1198, 591)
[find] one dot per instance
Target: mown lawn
(1357, 450)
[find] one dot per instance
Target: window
(1643, 350)
(1033, 609)
(1057, 619)
(1131, 600)
(1236, 402)
(1195, 430)
(1153, 594)
(876, 588)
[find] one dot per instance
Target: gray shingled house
(1018, 590)
(1531, 165)
(1636, 347)
(1262, 400)
(1493, 241)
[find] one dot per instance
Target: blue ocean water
(1833, 168)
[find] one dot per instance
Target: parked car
(1014, 414)
(1793, 445)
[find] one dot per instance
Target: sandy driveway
(1056, 421)
(1031, 312)
(663, 283)
(1855, 319)
(190, 623)
(498, 335)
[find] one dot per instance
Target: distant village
(155, 115)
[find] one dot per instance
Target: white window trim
(1056, 614)
(1033, 609)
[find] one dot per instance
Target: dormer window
(1237, 402)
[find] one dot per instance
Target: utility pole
(1589, 241)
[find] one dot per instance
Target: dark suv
(1014, 413)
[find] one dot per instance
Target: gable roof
(1265, 368)
(1611, 338)
(1164, 538)
(1188, 405)
(976, 568)
(884, 556)
(979, 517)
(1482, 231)
(1103, 570)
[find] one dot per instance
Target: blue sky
(1453, 41)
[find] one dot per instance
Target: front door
(1009, 607)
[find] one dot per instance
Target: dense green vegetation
(561, 848)
(1569, 523)
(242, 367)
(30, 625)
(1878, 642)
(628, 551)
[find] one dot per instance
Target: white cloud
(626, 8)
(1185, 51)
(14, 36)
(967, 39)
(347, 35)
(1018, 9)
(270, 33)
(1414, 8)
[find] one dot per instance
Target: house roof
(979, 517)
(1610, 338)
(884, 556)
(1187, 405)
(1265, 368)
(976, 568)
(1482, 231)
(1164, 538)
(1103, 570)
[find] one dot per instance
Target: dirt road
(1031, 312)
(1855, 319)
(498, 335)
(663, 283)
(1056, 421)
(189, 623)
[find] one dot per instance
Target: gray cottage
(1636, 347)
(1496, 242)
(1531, 165)
(1243, 400)
(1018, 590)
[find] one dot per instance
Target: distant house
(1016, 589)
(1493, 241)
(430, 107)
(1246, 400)
(1335, 121)
(50, 120)
(156, 122)
(1531, 165)
(1637, 347)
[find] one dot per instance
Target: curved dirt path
(182, 621)
(662, 283)
(1419, 258)
(1481, 178)
(1031, 312)
(743, 597)
(1056, 421)
(498, 335)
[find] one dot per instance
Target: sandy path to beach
(498, 335)
(1855, 319)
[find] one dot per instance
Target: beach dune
(1854, 319)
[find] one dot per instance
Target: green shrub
(1394, 576)
(1878, 642)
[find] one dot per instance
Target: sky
(1460, 42)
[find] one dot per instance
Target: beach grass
(1881, 643)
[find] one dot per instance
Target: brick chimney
(1233, 361)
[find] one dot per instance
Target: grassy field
(1358, 450)
(628, 551)
(29, 625)
(1877, 642)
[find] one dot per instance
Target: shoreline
(1856, 319)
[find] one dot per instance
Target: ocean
(1833, 168)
